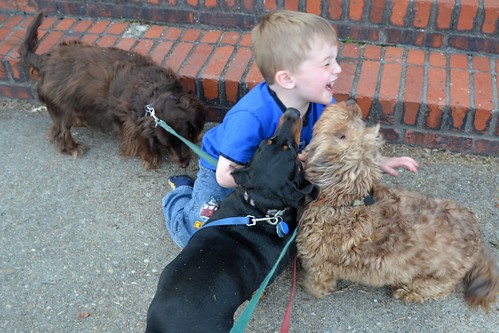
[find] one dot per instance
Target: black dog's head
(185, 114)
(274, 177)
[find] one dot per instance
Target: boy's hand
(390, 164)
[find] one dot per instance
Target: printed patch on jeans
(208, 209)
(198, 224)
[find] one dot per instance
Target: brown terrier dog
(109, 88)
(362, 231)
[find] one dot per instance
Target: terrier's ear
(353, 107)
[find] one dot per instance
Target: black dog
(109, 88)
(221, 266)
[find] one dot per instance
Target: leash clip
(151, 112)
(272, 220)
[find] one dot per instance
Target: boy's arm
(223, 173)
(390, 164)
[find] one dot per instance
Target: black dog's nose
(292, 113)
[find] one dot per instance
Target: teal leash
(244, 318)
(208, 158)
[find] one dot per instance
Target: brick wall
(470, 25)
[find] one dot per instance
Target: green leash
(244, 318)
(247, 313)
(208, 158)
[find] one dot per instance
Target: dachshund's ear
(296, 196)
(241, 176)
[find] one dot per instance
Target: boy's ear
(284, 79)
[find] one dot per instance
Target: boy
(296, 54)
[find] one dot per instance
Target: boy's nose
(337, 69)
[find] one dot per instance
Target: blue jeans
(182, 206)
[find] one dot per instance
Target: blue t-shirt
(254, 118)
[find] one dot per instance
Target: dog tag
(282, 229)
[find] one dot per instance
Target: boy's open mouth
(329, 87)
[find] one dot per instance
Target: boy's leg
(185, 208)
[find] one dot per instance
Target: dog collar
(368, 200)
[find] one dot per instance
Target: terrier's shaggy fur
(423, 247)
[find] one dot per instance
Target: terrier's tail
(481, 281)
(30, 43)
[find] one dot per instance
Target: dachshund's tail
(30, 43)
(482, 281)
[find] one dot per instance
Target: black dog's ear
(296, 195)
(241, 176)
(313, 191)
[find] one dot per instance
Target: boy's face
(315, 77)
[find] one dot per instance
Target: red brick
(356, 10)
(12, 22)
(126, 43)
(144, 46)
(467, 16)
(350, 50)
(195, 62)
(249, 5)
(270, 4)
(435, 96)
(372, 52)
(335, 9)
(191, 35)
(377, 11)
(89, 38)
(49, 42)
(366, 85)
(210, 3)
(435, 140)
(155, 31)
(107, 41)
(413, 93)
(291, 4)
(491, 16)
(172, 33)
(437, 59)
(246, 40)
(486, 147)
(422, 10)
(254, 76)
(399, 11)
(459, 97)
(193, 3)
(234, 73)
(211, 36)
(82, 26)
(344, 85)
(484, 96)
(314, 7)
(444, 13)
(482, 120)
(231, 37)
(65, 24)
(178, 56)
(99, 27)
(416, 57)
(159, 53)
(213, 70)
(458, 60)
(117, 28)
(394, 54)
(389, 90)
(481, 63)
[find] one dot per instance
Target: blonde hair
(282, 40)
